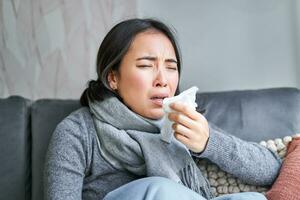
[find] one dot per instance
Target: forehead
(152, 42)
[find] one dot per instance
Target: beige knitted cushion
(224, 183)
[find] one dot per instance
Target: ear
(113, 80)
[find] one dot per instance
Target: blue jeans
(158, 188)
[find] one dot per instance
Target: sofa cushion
(14, 148)
(46, 114)
(287, 184)
(254, 115)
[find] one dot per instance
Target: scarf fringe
(192, 178)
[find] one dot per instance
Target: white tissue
(187, 97)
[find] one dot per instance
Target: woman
(111, 148)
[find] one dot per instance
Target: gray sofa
(26, 127)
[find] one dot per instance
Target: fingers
(181, 119)
(181, 138)
(186, 110)
(182, 130)
(190, 127)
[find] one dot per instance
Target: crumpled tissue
(187, 97)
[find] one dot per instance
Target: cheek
(174, 83)
(139, 82)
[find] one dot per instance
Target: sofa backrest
(15, 148)
(254, 115)
(45, 115)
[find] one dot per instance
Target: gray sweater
(75, 169)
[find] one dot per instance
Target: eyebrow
(151, 58)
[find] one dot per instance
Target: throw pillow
(287, 184)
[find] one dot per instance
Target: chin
(156, 114)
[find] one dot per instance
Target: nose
(160, 79)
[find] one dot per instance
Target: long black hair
(114, 47)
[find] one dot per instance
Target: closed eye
(143, 66)
(172, 68)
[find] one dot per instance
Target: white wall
(233, 44)
(296, 17)
(48, 48)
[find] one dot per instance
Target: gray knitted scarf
(130, 142)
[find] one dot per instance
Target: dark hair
(112, 50)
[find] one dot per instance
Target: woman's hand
(190, 127)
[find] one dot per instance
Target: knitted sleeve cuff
(217, 142)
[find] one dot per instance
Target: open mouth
(162, 98)
(158, 99)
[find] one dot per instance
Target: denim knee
(242, 196)
(256, 196)
(160, 185)
(252, 196)
(165, 189)
(153, 188)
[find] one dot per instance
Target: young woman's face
(148, 73)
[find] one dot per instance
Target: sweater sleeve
(249, 161)
(65, 163)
